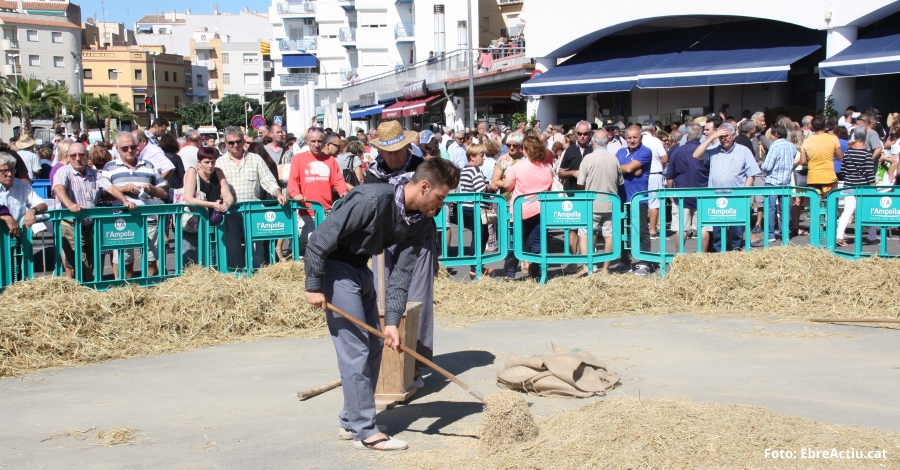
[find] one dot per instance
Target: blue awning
(363, 112)
(877, 53)
(145, 28)
(298, 60)
(720, 54)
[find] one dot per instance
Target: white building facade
(174, 30)
(320, 46)
(243, 71)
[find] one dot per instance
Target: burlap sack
(566, 373)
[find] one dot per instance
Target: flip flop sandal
(389, 444)
(347, 435)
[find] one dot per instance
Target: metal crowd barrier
(16, 260)
(876, 206)
(569, 210)
(478, 258)
(721, 208)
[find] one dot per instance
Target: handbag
(190, 220)
(489, 216)
(556, 185)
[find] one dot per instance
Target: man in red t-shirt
(314, 175)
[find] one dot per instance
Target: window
(167, 76)
(114, 96)
(111, 74)
(31, 35)
(224, 57)
(88, 73)
(226, 78)
(139, 102)
(58, 62)
(175, 77)
(56, 37)
(251, 79)
(251, 58)
(34, 60)
(199, 80)
(138, 74)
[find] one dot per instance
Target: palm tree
(81, 105)
(6, 100)
(56, 97)
(274, 108)
(24, 95)
(120, 111)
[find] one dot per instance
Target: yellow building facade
(128, 72)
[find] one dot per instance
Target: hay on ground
(506, 420)
(116, 437)
(627, 432)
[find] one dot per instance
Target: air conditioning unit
(309, 21)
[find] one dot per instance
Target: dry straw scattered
(116, 437)
(627, 432)
(53, 322)
(506, 420)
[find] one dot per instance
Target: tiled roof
(157, 19)
(23, 20)
(45, 5)
(6, 5)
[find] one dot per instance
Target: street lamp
(80, 82)
(213, 108)
(246, 110)
(322, 64)
(117, 72)
(155, 92)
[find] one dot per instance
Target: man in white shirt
(152, 154)
(18, 197)
(188, 153)
(660, 158)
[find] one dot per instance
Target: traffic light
(148, 103)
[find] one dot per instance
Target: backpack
(349, 176)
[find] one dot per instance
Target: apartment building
(128, 72)
(105, 33)
(321, 46)
(41, 40)
(174, 30)
(234, 66)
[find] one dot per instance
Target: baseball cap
(426, 136)
(608, 123)
(649, 122)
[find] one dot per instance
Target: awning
(145, 28)
(417, 107)
(395, 110)
(298, 60)
(736, 54)
(364, 112)
(877, 53)
(701, 56)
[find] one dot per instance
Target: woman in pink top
(531, 175)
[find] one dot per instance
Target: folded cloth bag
(564, 373)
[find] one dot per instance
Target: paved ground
(234, 406)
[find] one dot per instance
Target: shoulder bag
(189, 220)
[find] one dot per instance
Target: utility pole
(471, 70)
(155, 92)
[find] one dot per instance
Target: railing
(347, 34)
(404, 30)
(211, 85)
(251, 61)
(876, 207)
(347, 73)
(267, 65)
(304, 8)
(10, 43)
(298, 79)
(267, 86)
(445, 67)
(306, 44)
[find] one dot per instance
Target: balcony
(346, 74)
(12, 69)
(209, 64)
(301, 45)
(267, 86)
(251, 61)
(348, 5)
(298, 9)
(397, 2)
(298, 79)
(451, 66)
(211, 85)
(202, 46)
(347, 36)
(267, 66)
(404, 32)
(10, 44)
(510, 2)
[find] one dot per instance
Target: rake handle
(440, 370)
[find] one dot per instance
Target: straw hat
(24, 142)
(392, 137)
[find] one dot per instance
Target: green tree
(25, 95)
(231, 112)
(275, 108)
(55, 97)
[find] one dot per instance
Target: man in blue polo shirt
(685, 171)
(635, 160)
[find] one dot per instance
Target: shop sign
(368, 99)
(414, 90)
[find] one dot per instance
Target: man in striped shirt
(141, 184)
(778, 167)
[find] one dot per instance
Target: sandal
(840, 242)
(389, 444)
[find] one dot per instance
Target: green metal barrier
(569, 210)
(117, 229)
(16, 255)
(478, 258)
(266, 222)
(721, 207)
(876, 206)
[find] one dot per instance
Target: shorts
(152, 242)
(655, 182)
(602, 223)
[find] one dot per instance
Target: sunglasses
(583, 133)
(125, 148)
(234, 142)
(7, 171)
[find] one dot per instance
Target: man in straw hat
(32, 162)
(396, 158)
(370, 219)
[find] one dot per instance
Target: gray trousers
(352, 290)
(421, 289)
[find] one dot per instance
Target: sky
(128, 12)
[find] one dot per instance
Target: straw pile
(506, 420)
(116, 437)
(53, 322)
(793, 283)
(628, 432)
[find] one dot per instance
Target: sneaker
(418, 382)
(641, 270)
(347, 435)
(654, 235)
(756, 243)
(757, 229)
